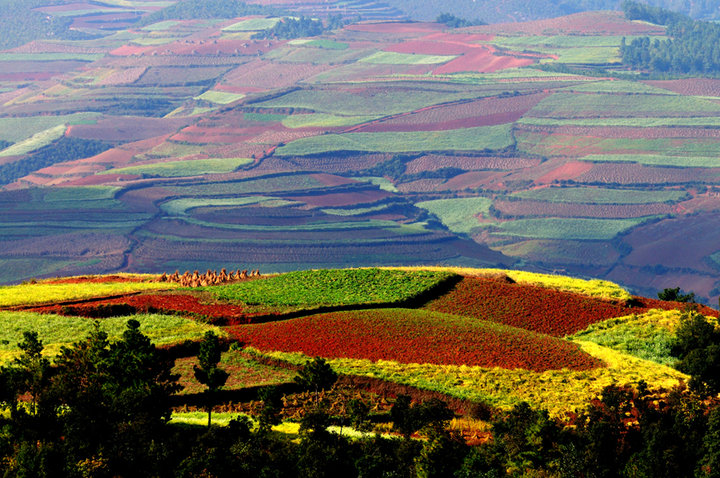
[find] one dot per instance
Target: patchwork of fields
(487, 336)
(188, 143)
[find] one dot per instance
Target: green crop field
(220, 97)
(383, 102)
(569, 105)
(656, 160)
(318, 288)
(179, 207)
(647, 336)
(271, 117)
(469, 139)
(322, 120)
(196, 167)
(601, 195)
(56, 330)
(392, 58)
(36, 141)
(567, 228)
(18, 129)
(710, 121)
(43, 293)
(619, 86)
(458, 215)
(251, 25)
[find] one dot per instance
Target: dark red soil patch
(410, 336)
(396, 27)
(689, 86)
(92, 280)
(526, 306)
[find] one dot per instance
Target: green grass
(647, 336)
(619, 86)
(392, 58)
(264, 117)
(56, 330)
(196, 167)
(327, 44)
(322, 120)
(567, 228)
(562, 41)
(254, 24)
(80, 193)
(589, 195)
(180, 207)
(460, 214)
(43, 293)
(161, 26)
(569, 105)
(36, 141)
(220, 97)
(382, 102)
(656, 160)
(469, 139)
(18, 129)
(711, 121)
(317, 288)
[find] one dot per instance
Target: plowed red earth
(525, 306)
(164, 303)
(415, 336)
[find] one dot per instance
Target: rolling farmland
(375, 143)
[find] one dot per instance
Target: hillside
(193, 143)
(489, 343)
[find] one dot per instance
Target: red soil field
(567, 171)
(427, 47)
(434, 162)
(472, 179)
(265, 74)
(689, 86)
(483, 112)
(526, 306)
(410, 336)
(168, 303)
(131, 50)
(545, 209)
(421, 186)
(639, 174)
(666, 242)
(127, 128)
(585, 23)
(483, 60)
(222, 47)
(458, 37)
(343, 199)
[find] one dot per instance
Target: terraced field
(495, 337)
(375, 143)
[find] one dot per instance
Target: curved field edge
(334, 287)
(559, 391)
(56, 331)
(416, 336)
(593, 287)
(45, 292)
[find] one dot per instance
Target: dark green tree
(676, 295)
(31, 368)
(208, 373)
(316, 375)
(697, 346)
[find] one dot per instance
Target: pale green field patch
(392, 58)
(253, 24)
(194, 167)
(36, 141)
(459, 214)
(220, 97)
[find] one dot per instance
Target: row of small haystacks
(196, 279)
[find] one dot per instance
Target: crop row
(415, 336)
(524, 306)
(317, 288)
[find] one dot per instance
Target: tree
(697, 346)
(676, 295)
(208, 373)
(316, 375)
(31, 367)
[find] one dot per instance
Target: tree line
(693, 46)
